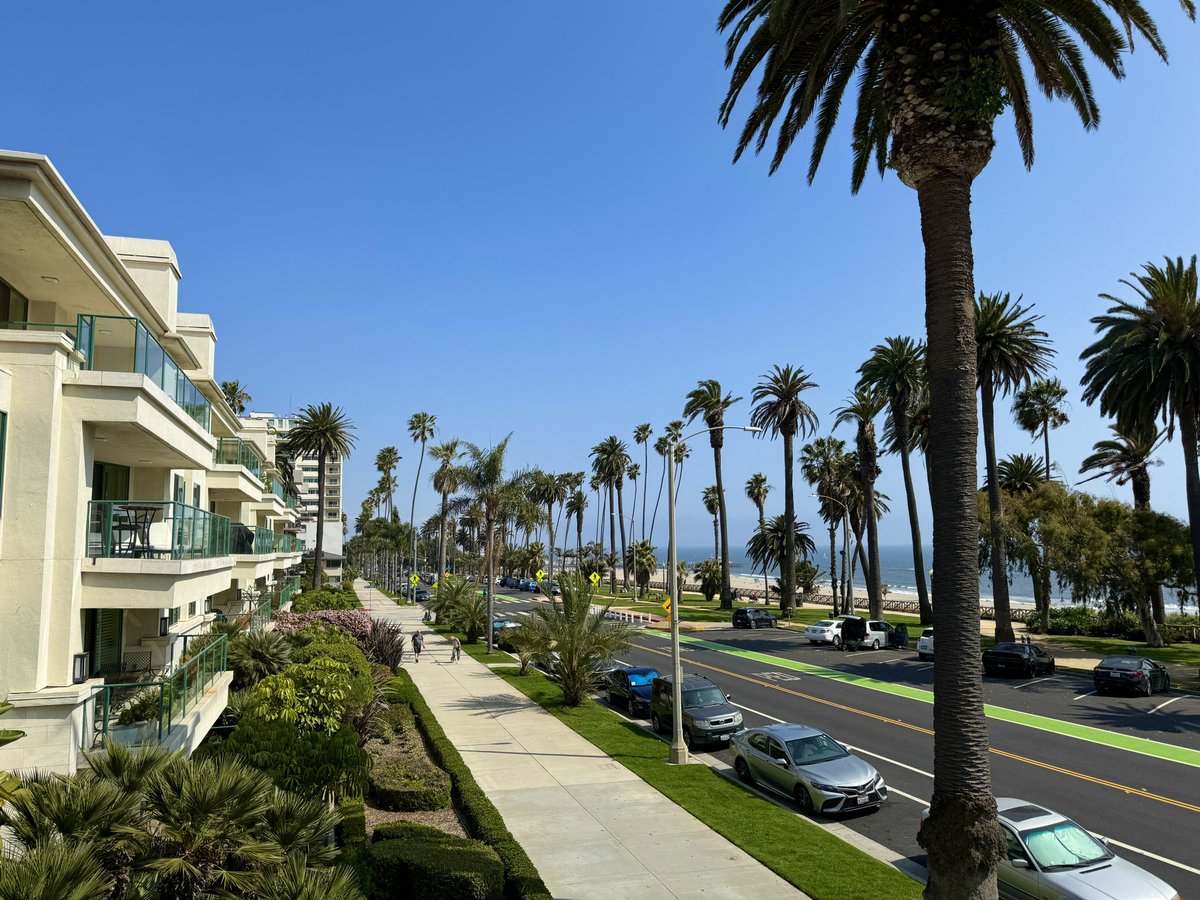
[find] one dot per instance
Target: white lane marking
(1081, 696)
(895, 790)
(894, 762)
(1168, 703)
(924, 668)
(1154, 856)
(1035, 681)
(757, 713)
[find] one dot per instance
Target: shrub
(352, 832)
(1079, 620)
(356, 621)
(321, 633)
(436, 866)
(384, 645)
(256, 655)
(402, 776)
(310, 601)
(362, 686)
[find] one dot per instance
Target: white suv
(925, 644)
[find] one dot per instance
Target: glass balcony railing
(288, 589)
(68, 330)
(232, 451)
(260, 616)
(293, 502)
(252, 540)
(143, 713)
(287, 543)
(156, 529)
(122, 344)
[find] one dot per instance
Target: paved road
(1138, 800)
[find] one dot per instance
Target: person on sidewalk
(418, 644)
(455, 649)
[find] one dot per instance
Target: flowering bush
(356, 621)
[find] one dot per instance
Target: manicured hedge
(481, 818)
(352, 837)
(432, 865)
(401, 786)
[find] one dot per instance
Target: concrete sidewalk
(593, 828)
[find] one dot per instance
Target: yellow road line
(890, 721)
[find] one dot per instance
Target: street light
(679, 751)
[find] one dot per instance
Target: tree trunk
(612, 535)
(441, 572)
(726, 590)
(1004, 630)
(716, 537)
(491, 578)
(645, 486)
(847, 586)
(874, 587)
(624, 547)
(962, 835)
(579, 541)
(1187, 437)
(900, 424)
(787, 578)
(318, 551)
(412, 515)
(550, 530)
(1046, 438)
(657, 499)
(833, 566)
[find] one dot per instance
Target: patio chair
(160, 539)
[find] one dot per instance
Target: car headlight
(737, 718)
(828, 788)
(702, 723)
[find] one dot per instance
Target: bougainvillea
(355, 621)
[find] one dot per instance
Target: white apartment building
(135, 507)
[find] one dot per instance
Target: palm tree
(756, 492)
(386, 461)
(421, 428)
(641, 435)
(1146, 365)
(821, 464)
(235, 396)
(1040, 407)
(707, 401)
(897, 368)
(576, 504)
(320, 430)
(445, 483)
(55, 872)
(861, 408)
(609, 461)
(634, 472)
(1020, 473)
(460, 604)
(768, 544)
(483, 478)
(1010, 351)
(671, 434)
(932, 77)
(780, 410)
(255, 655)
(295, 881)
(711, 497)
(1126, 458)
(549, 490)
(708, 575)
(641, 561)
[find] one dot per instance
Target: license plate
(860, 800)
(725, 737)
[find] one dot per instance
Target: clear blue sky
(523, 217)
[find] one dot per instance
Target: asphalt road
(1137, 801)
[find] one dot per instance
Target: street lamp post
(679, 752)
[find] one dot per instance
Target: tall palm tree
(756, 492)
(708, 402)
(780, 410)
(897, 368)
(1020, 473)
(932, 78)
(821, 466)
(549, 490)
(711, 497)
(1010, 350)
(633, 473)
(641, 435)
(610, 458)
(235, 396)
(576, 504)
(861, 409)
(386, 461)
(766, 546)
(321, 430)
(445, 482)
(1146, 364)
(1126, 458)
(1041, 406)
(421, 428)
(483, 478)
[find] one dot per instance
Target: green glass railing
(293, 502)
(232, 451)
(252, 540)
(155, 529)
(124, 344)
(260, 617)
(277, 488)
(142, 713)
(264, 541)
(288, 590)
(68, 330)
(287, 543)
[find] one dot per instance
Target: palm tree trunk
(550, 529)
(962, 825)
(658, 498)
(762, 528)
(726, 590)
(900, 423)
(412, 513)
(847, 586)
(833, 575)
(787, 598)
(624, 548)
(318, 551)
(579, 541)
(441, 572)
(645, 490)
(612, 535)
(1004, 629)
(871, 568)
(1046, 438)
(491, 578)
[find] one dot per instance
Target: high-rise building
(136, 508)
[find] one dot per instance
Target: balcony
(178, 553)
(237, 474)
(175, 712)
(254, 553)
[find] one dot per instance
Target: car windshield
(1063, 845)
(816, 749)
(638, 678)
(928, 632)
(709, 696)
(824, 624)
(1121, 662)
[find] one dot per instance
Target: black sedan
(1130, 673)
(1023, 660)
(631, 688)
(748, 617)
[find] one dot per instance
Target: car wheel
(743, 771)
(989, 672)
(656, 723)
(752, 624)
(1148, 688)
(803, 799)
(611, 701)
(837, 640)
(1100, 689)
(1031, 670)
(1166, 684)
(924, 657)
(774, 623)
(687, 739)
(1051, 669)
(875, 644)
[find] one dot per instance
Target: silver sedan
(807, 765)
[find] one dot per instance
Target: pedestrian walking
(455, 649)
(418, 644)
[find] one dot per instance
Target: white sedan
(827, 631)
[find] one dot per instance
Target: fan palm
(641, 435)
(1010, 351)
(1040, 407)
(255, 655)
(756, 492)
(641, 561)
(707, 401)
(422, 427)
(932, 78)
(861, 409)
(295, 881)
(300, 826)
(609, 462)
(1146, 364)
(55, 872)
(708, 576)
(780, 410)
(483, 478)
(897, 368)
(662, 447)
(321, 430)
(821, 463)
(235, 396)
(633, 473)
(767, 545)
(127, 768)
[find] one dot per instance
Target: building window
(3, 441)
(196, 496)
(13, 306)
(180, 489)
(191, 609)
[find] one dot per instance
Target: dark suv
(748, 617)
(707, 716)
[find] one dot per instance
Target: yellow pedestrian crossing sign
(540, 574)
(594, 579)
(413, 579)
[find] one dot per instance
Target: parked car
(877, 633)
(748, 617)
(631, 687)
(1049, 855)
(707, 716)
(420, 595)
(1130, 673)
(925, 644)
(500, 631)
(807, 765)
(827, 631)
(1026, 660)
(527, 584)
(551, 588)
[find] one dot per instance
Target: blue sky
(522, 217)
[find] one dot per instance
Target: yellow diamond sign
(414, 580)
(667, 604)
(595, 579)
(540, 574)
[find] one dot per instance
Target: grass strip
(804, 855)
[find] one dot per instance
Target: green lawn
(808, 857)
(1179, 654)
